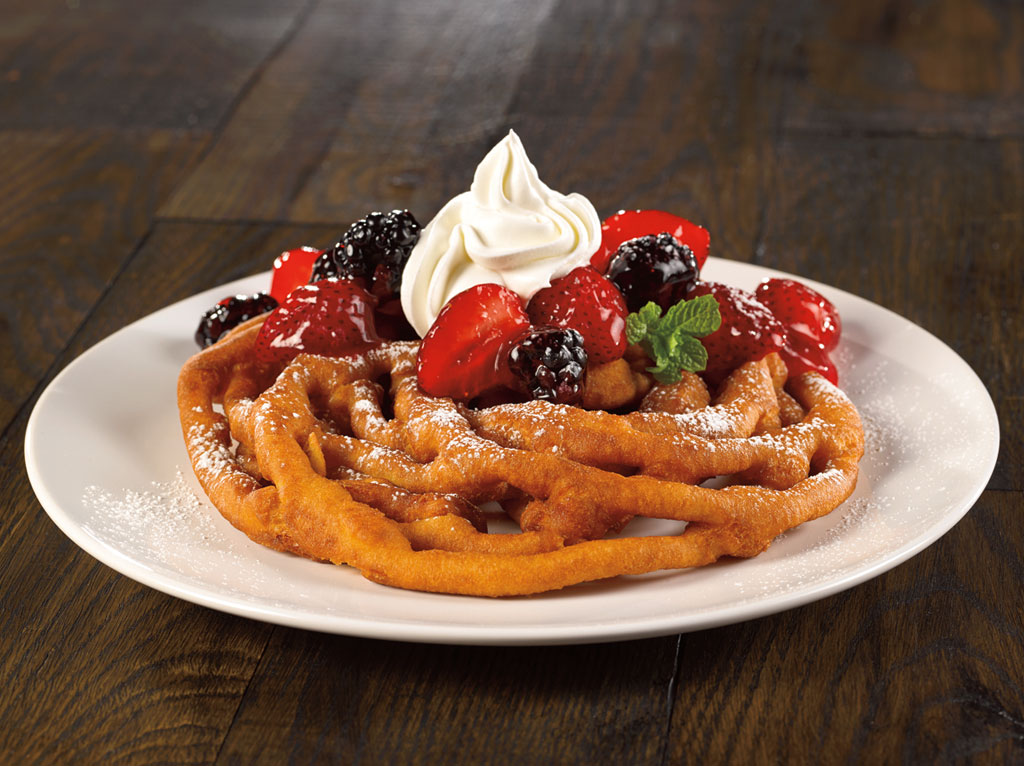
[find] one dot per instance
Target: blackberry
(374, 249)
(653, 268)
(230, 313)
(551, 363)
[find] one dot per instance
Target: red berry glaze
(465, 351)
(585, 301)
(332, 317)
(811, 321)
(802, 309)
(749, 330)
(630, 224)
(291, 269)
(802, 354)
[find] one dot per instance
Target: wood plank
(359, 85)
(324, 699)
(122, 64)
(99, 669)
(359, 133)
(72, 208)
(941, 67)
(91, 141)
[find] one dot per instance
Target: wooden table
(152, 150)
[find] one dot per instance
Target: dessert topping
(291, 269)
(509, 229)
(630, 224)
(551, 363)
(749, 330)
(811, 321)
(465, 352)
(802, 309)
(332, 317)
(653, 268)
(585, 301)
(374, 250)
(229, 313)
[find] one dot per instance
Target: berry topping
(465, 351)
(802, 310)
(749, 330)
(374, 250)
(630, 224)
(230, 313)
(291, 269)
(653, 268)
(550, 362)
(811, 321)
(332, 317)
(585, 301)
(801, 354)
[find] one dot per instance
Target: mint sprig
(672, 341)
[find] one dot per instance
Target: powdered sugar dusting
(172, 530)
(162, 515)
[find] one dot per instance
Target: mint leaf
(697, 317)
(636, 328)
(671, 341)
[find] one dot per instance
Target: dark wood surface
(152, 150)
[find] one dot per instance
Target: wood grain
(153, 151)
(72, 208)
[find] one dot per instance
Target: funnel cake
(346, 460)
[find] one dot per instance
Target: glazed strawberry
(332, 317)
(811, 321)
(291, 269)
(748, 331)
(465, 351)
(802, 310)
(630, 224)
(585, 301)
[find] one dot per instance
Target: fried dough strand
(346, 460)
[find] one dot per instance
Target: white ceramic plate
(106, 459)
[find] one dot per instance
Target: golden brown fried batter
(346, 460)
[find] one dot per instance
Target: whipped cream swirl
(509, 228)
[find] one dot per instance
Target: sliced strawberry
(630, 224)
(802, 309)
(332, 317)
(465, 351)
(583, 300)
(291, 269)
(749, 330)
(811, 321)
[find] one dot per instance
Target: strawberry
(465, 352)
(585, 301)
(748, 331)
(811, 321)
(630, 224)
(332, 317)
(802, 309)
(291, 269)
(803, 354)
